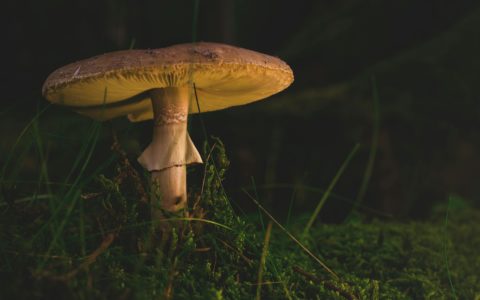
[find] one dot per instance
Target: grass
(445, 252)
(325, 196)
(90, 237)
(373, 147)
(263, 258)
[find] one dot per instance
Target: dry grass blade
(246, 259)
(334, 275)
(263, 259)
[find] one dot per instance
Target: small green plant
(92, 238)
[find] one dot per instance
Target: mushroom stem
(169, 190)
(170, 151)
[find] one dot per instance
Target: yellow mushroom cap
(117, 83)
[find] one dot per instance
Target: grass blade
(445, 252)
(330, 188)
(263, 258)
(373, 147)
(19, 138)
(322, 264)
(195, 20)
(257, 197)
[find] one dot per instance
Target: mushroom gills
(170, 151)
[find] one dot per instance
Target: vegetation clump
(96, 242)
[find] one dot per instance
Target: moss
(105, 249)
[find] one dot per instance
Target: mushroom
(158, 84)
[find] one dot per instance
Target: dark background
(423, 55)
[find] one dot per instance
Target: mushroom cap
(117, 83)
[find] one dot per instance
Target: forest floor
(93, 240)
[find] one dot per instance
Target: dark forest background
(423, 56)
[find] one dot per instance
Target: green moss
(376, 260)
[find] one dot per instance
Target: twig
(204, 249)
(168, 293)
(88, 196)
(107, 241)
(246, 259)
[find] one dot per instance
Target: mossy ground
(94, 241)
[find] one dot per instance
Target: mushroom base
(169, 191)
